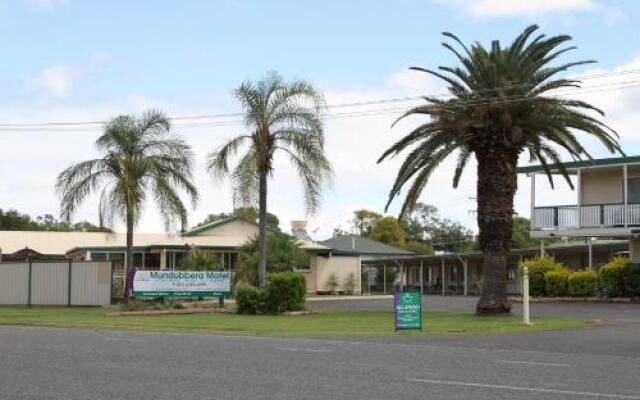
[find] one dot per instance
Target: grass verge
(327, 322)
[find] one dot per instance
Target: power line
(331, 106)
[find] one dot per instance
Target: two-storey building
(607, 202)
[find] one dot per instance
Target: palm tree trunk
(262, 238)
(497, 183)
(129, 252)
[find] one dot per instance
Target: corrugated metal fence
(56, 283)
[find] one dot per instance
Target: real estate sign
(181, 284)
(408, 310)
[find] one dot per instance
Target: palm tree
(140, 155)
(281, 117)
(500, 106)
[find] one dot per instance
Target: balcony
(613, 215)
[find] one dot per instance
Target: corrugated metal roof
(581, 164)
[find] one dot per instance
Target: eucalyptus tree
(141, 159)
(501, 104)
(280, 118)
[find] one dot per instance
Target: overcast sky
(72, 60)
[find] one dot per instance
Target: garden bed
(192, 311)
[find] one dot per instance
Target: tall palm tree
(140, 156)
(281, 117)
(500, 105)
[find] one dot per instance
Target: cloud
(522, 8)
(57, 80)
(353, 144)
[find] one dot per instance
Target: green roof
(358, 245)
(210, 225)
(551, 248)
(582, 164)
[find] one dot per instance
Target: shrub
(556, 282)
(200, 260)
(611, 277)
(133, 305)
(249, 299)
(538, 267)
(285, 291)
(582, 283)
(350, 284)
(332, 283)
(284, 254)
(632, 280)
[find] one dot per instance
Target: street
(598, 362)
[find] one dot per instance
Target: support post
(442, 276)
(465, 274)
(625, 194)
(384, 279)
(590, 247)
(525, 297)
(533, 201)
(421, 277)
(579, 202)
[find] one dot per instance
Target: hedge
(582, 283)
(284, 291)
(632, 280)
(250, 299)
(538, 267)
(557, 282)
(611, 277)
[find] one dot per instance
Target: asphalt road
(601, 362)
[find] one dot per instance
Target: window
(633, 185)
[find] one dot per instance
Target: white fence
(56, 283)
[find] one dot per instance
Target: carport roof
(555, 248)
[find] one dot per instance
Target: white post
(590, 253)
(525, 296)
(533, 201)
(442, 276)
(579, 202)
(421, 278)
(465, 273)
(625, 193)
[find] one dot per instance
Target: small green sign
(408, 310)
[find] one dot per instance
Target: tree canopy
(13, 220)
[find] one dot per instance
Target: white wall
(233, 228)
(602, 186)
(341, 266)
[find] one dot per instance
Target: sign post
(181, 284)
(407, 308)
(525, 297)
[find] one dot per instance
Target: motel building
(603, 221)
(342, 256)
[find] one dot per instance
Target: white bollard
(525, 296)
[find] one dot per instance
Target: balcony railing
(586, 216)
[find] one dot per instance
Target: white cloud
(353, 145)
(522, 8)
(57, 80)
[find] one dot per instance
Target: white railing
(586, 216)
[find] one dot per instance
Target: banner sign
(181, 284)
(408, 310)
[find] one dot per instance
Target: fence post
(525, 296)
(70, 270)
(29, 286)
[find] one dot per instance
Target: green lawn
(327, 322)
